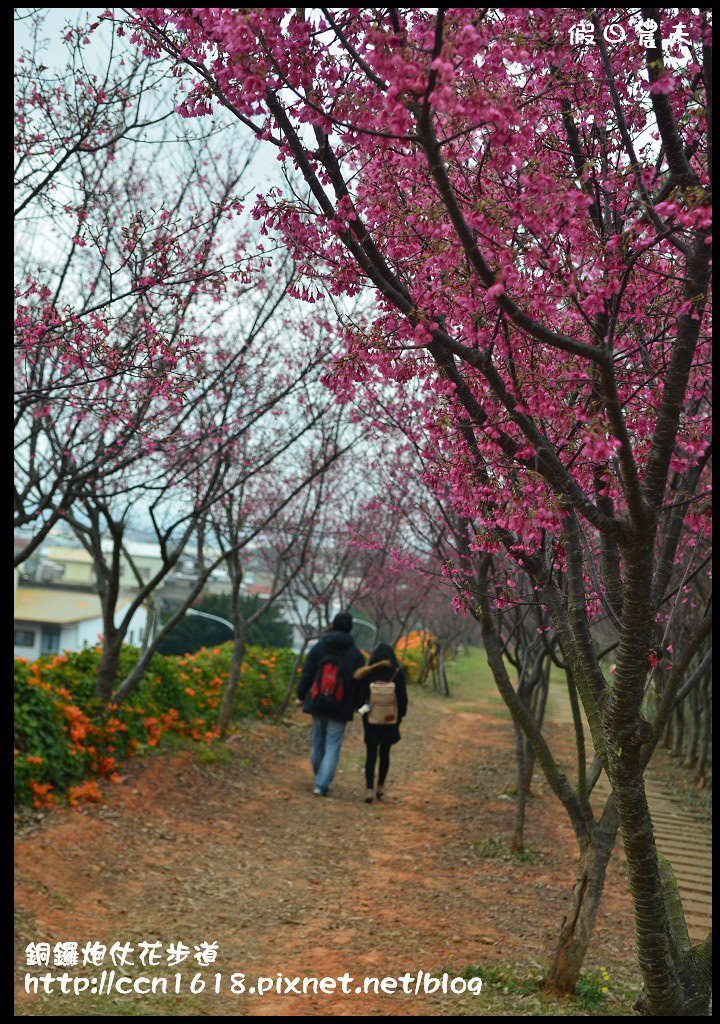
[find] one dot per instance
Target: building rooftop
(63, 554)
(55, 605)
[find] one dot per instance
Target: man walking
(331, 696)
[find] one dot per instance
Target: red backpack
(328, 688)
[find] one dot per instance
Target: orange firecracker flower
(43, 797)
(88, 790)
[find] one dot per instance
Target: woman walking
(387, 707)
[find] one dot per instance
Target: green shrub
(65, 736)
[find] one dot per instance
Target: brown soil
(235, 848)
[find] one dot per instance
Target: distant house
(70, 563)
(258, 583)
(56, 604)
(53, 619)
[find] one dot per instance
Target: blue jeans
(327, 737)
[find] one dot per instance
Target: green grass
(492, 847)
(512, 990)
(81, 1006)
(217, 752)
(472, 687)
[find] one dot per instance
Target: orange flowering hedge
(65, 739)
(411, 649)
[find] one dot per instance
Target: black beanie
(343, 622)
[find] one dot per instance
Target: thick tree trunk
(692, 964)
(577, 925)
(626, 731)
(673, 983)
(675, 975)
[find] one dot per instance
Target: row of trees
(164, 377)
(532, 220)
(514, 241)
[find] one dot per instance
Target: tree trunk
(425, 668)
(228, 697)
(675, 976)
(434, 672)
(292, 682)
(595, 840)
(577, 925)
(518, 840)
(539, 701)
(444, 687)
(679, 730)
(673, 984)
(691, 756)
(529, 769)
(668, 736)
(692, 964)
(109, 665)
(704, 736)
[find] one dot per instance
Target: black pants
(370, 763)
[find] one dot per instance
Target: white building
(49, 620)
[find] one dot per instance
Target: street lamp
(207, 615)
(364, 622)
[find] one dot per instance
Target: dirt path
(237, 850)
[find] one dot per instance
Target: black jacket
(387, 734)
(342, 646)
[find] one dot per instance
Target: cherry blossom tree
(123, 260)
(526, 191)
(524, 637)
(674, 685)
(357, 555)
(334, 568)
(286, 496)
(216, 468)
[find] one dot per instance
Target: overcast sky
(265, 169)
